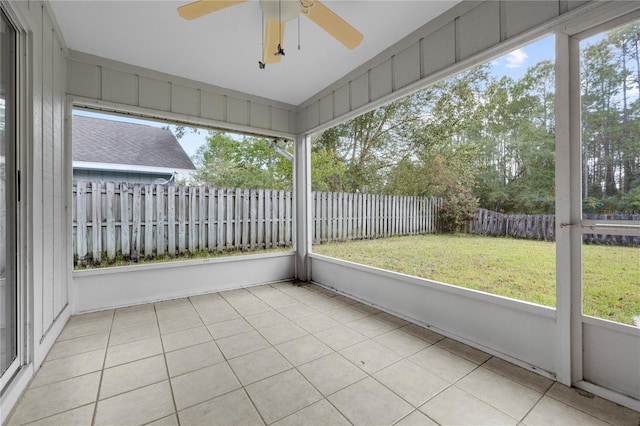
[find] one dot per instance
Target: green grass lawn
(521, 269)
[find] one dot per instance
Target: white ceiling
(223, 48)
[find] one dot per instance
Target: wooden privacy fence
(138, 220)
(495, 224)
(543, 226)
(339, 216)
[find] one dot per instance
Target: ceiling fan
(277, 13)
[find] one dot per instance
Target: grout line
(104, 362)
(531, 409)
(232, 370)
(166, 366)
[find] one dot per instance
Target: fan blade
(335, 25)
(203, 7)
(274, 34)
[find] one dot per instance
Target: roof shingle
(116, 142)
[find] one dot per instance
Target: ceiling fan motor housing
(280, 10)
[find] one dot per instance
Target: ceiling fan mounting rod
(306, 5)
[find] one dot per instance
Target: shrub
(458, 207)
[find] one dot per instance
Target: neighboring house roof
(117, 143)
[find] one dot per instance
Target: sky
(513, 64)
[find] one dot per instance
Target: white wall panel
(611, 356)
(85, 80)
(517, 331)
(359, 91)
(185, 100)
(102, 83)
(119, 87)
(326, 108)
(572, 4)
(260, 115)
(238, 111)
(154, 94)
(478, 29)
(60, 265)
(113, 287)
(312, 116)
(439, 49)
(381, 80)
(47, 200)
(341, 101)
(406, 66)
(213, 106)
(280, 119)
(524, 15)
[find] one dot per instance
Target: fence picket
(211, 220)
(237, 218)
(148, 221)
(171, 220)
(288, 214)
(253, 206)
(182, 220)
(96, 222)
(125, 244)
(229, 218)
(136, 215)
(111, 221)
(261, 241)
(160, 241)
(245, 220)
(81, 221)
(221, 223)
(202, 218)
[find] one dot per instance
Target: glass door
(8, 280)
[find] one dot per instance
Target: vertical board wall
(48, 188)
(45, 189)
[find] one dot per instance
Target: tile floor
(285, 355)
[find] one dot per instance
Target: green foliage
(632, 201)
(247, 163)
(458, 207)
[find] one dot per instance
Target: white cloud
(516, 59)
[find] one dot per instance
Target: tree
(369, 145)
(247, 163)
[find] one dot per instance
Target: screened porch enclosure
(81, 333)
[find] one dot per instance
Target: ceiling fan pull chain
(298, 32)
(262, 65)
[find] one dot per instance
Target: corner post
(303, 208)
(568, 211)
